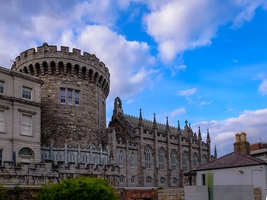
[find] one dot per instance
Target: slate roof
(234, 159)
(149, 124)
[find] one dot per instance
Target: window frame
(26, 93)
(132, 161)
(24, 125)
(2, 87)
(3, 121)
(147, 157)
(132, 179)
(173, 161)
(121, 158)
(1, 157)
(149, 180)
(161, 159)
(69, 96)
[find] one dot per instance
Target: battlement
(43, 173)
(48, 60)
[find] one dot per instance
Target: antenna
(11, 63)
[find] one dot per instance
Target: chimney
(241, 144)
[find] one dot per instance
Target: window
(26, 124)
(58, 157)
(26, 93)
(1, 157)
(203, 179)
(148, 179)
(132, 179)
(162, 180)
(2, 121)
(77, 97)
(121, 179)
(62, 95)
(96, 160)
(174, 181)
(194, 160)
(85, 159)
(44, 156)
(161, 159)
(1, 87)
(71, 158)
(204, 159)
(173, 161)
(147, 158)
(132, 160)
(184, 162)
(26, 152)
(121, 158)
(104, 161)
(72, 96)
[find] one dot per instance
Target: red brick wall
(139, 194)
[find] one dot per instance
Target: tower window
(69, 96)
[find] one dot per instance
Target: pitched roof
(234, 159)
(149, 124)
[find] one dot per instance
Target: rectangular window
(62, 95)
(2, 121)
(1, 157)
(26, 93)
(1, 87)
(77, 97)
(26, 125)
(70, 96)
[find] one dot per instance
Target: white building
(20, 119)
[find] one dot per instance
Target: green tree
(83, 188)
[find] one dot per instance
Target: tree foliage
(83, 188)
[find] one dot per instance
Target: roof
(149, 124)
(234, 159)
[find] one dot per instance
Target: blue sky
(204, 61)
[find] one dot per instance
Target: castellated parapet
(73, 94)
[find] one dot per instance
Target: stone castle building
(66, 96)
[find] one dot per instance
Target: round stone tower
(73, 94)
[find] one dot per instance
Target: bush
(2, 193)
(78, 188)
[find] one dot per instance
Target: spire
(199, 134)
(140, 123)
(179, 125)
(167, 125)
(186, 126)
(208, 136)
(215, 152)
(155, 123)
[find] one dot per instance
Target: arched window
(148, 180)
(96, 160)
(204, 159)
(147, 158)
(121, 158)
(161, 159)
(25, 154)
(121, 179)
(174, 181)
(132, 160)
(184, 162)
(132, 179)
(104, 160)
(58, 157)
(71, 158)
(85, 160)
(162, 180)
(173, 161)
(195, 160)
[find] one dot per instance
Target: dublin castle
(53, 125)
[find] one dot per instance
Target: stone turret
(73, 94)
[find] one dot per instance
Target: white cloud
(177, 112)
(187, 92)
(126, 60)
(177, 69)
(223, 132)
(204, 103)
(263, 87)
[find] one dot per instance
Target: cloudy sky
(204, 61)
